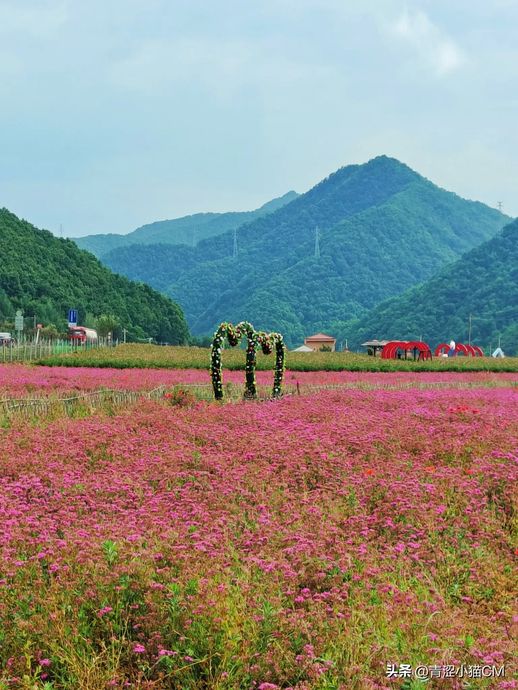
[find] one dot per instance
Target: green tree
(49, 331)
(45, 276)
(107, 324)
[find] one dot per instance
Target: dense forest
(45, 276)
(483, 284)
(188, 230)
(382, 228)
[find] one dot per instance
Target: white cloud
(432, 45)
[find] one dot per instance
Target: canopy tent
(374, 346)
(399, 349)
(303, 348)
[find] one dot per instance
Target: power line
(234, 248)
(317, 243)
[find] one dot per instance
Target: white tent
(498, 352)
(303, 348)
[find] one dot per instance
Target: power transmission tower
(500, 205)
(234, 248)
(317, 243)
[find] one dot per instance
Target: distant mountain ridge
(45, 276)
(186, 230)
(383, 228)
(483, 283)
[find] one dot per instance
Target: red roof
(321, 336)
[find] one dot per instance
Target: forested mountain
(483, 283)
(45, 276)
(188, 230)
(382, 229)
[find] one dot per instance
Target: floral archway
(267, 342)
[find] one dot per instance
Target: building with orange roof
(320, 340)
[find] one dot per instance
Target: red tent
(419, 349)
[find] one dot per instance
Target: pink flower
(105, 609)
(139, 649)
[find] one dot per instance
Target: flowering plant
(255, 340)
(180, 397)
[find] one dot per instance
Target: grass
(75, 406)
(156, 357)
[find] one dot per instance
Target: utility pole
(124, 331)
(317, 243)
(61, 230)
(234, 248)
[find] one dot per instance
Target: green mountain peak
(382, 228)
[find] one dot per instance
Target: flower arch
(255, 340)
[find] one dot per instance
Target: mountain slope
(45, 276)
(187, 230)
(483, 283)
(382, 229)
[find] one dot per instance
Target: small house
(320, 341)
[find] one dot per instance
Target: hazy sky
(114, 113)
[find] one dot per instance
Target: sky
(116, 113)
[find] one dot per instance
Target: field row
(22, 380)
(153, 356)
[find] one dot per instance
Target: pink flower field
(317, 541)
(22, 380)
